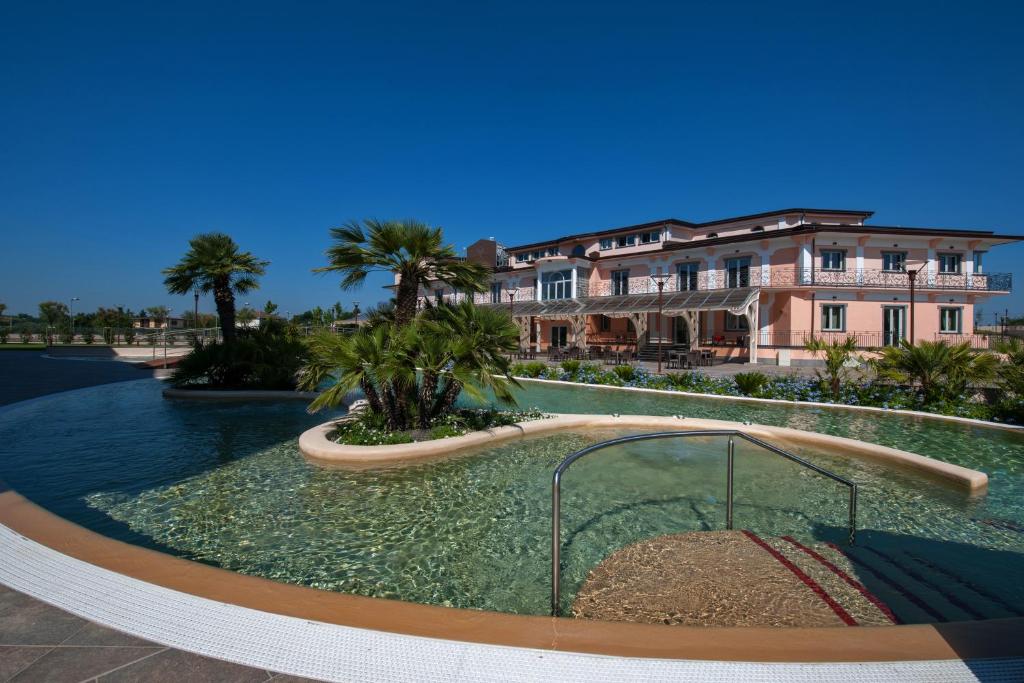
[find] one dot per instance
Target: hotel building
(752, 288)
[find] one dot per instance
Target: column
(932, 266)
(806, 262)
(766, 268)
(860, 264)
(752, 317)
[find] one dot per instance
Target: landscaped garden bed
(366, 429)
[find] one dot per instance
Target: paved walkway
(39, 642)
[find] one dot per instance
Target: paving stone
(94, 634)
(175, 665)
(30, 622)
(81, 663)
(13, 659)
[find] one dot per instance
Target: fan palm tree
(836, 355)
(412, 250)
(939, 369)
(215, 264)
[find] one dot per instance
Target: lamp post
(659, 280)
(355, 311)
(912, 277)
(195, 310)
(512, 291)
(71, 316)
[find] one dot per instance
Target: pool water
(225, 484)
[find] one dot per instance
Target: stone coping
(315, 445)
(791, 404)
(996, 638)
(238, 395)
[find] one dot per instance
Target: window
(438, 295)
(604, 323)
(712, 235)
(949, 320)
(495, 292)
(735, 323)
(626, 240)
(894, 261)
(648, 237)
(620, 282)
(606, 243)
(833, 318)
(553, 251)
(979, 257)
(737, 272)
(522, 257)
(757, 228)
(579, 250)
(833, 259)
(557, 285)
(949, 263)
(686, 276)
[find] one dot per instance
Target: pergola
(738, 301)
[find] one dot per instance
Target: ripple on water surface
(225, 484)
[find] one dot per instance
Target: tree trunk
(447, 399)
(225, 300)
(372, 396)
(405, 301)
(428, 388)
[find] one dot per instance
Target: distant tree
(269, 308)
(3, 307)
(158, 313)
(246, 315)
(53, 312)
(412, 250)
(205, 320)
(215, 264)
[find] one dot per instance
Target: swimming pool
(224, 484)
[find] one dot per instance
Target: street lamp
(512, 291)
(71, 316)
(659, 280)
(912, 277)
(195, 319)
(355, 311)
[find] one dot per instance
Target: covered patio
(636, 308)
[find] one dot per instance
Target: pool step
(920, 589)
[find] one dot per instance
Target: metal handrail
(556, 487)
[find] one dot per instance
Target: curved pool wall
(224, 484)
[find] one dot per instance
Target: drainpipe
(813, 294)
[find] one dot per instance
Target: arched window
(757, 228)
(712, 235)
(578, 250)
(557, 285)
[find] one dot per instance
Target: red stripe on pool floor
(861, 588)
(807, 581)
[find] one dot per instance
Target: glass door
(893, 325)
(559, 336)
(680, 330)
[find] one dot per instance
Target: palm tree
(940, 370)
(836, 355)
(412, 375)
(1011, 372)
(412, 250)
(214, 263)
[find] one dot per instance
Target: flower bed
(871, 393)
(365, 429)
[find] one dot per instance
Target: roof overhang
(673, 303)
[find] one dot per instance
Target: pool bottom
(989, 639)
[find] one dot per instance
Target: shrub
(267, 358)
(624, 372)
(129, 336)
(88, 337)
(3, 335)
(750, 383)
(26, 337)
(533, 368)
(571, 366)
(66, 337)
(108, 335)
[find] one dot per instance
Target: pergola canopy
(673, 303)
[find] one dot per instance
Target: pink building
(752, 287)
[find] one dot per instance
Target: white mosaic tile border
(342, 653)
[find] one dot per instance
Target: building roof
(689, 224)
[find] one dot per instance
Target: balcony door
(894, 328)
(737, 272)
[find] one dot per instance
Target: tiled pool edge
(792, 404)
(541, 635)
(332, 652)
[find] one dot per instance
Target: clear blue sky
(128, 127)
